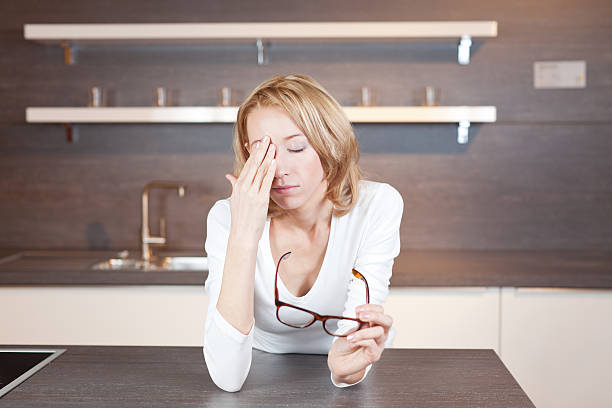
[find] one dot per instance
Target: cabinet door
(104, 315)
(445, 317)
(558, 345)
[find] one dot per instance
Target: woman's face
(299, 177)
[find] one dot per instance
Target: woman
(297, 189)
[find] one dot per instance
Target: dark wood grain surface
(177, 376)
(539, 178)
(518, 268)
(563, 269)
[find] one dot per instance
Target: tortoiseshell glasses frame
(324, 319)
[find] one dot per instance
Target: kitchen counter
(177, 376)
(511, 268)
(74, 268)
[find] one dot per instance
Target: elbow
(227, 385)
(228, 377)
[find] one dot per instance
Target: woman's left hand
(349, 356)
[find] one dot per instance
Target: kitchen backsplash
(541, 177)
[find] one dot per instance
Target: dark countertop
(87, 376)
(588, 269)
(412, 268)
(74, 268)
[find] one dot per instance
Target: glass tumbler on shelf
(225, 96)
(367, 96)
(431, 96)
(159, 97)
(95, 97)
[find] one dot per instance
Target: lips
(284, 189)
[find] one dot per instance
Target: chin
(288, 203)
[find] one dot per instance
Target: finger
(231, 178)
(345, 358)
(347, 367)
(263, 168)
(375, 332)
(250, 166)
(368, 343)
(256, 158)
(372, 333)
(346, 346)
(250, 159)
(370, 307)
(371, 351)
(377, 319)
(266, 183)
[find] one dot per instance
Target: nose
(282, 163)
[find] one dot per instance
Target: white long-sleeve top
(366, 239)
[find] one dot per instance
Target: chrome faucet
(148, 240)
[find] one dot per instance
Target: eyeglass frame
(317, 317)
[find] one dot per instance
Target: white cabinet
(174, 315)
(103, 315)
(445, 317)
(558, 345)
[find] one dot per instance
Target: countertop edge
(580, 269)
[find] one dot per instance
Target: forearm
(236, 298)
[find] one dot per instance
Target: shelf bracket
(463, 49)
(262, 54)
(463, 131)
(72, 133)
(69, 52)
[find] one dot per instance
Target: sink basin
(166, 263)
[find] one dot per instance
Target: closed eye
(296, 150)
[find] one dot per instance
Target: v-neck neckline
(281, 284)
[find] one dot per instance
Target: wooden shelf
(462, 115)
(69, 35)
(56, 33)
(171, 114)
(217, 114)
(421, 114)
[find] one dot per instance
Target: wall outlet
(559, 74)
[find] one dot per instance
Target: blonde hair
(323, 122)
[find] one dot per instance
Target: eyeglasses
(300, 318)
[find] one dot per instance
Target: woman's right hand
(251, 192)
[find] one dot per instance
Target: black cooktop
(18, 364)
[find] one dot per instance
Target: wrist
(349, 379)
(242, 242)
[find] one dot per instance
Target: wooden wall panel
(540, 178)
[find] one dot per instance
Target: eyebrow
(284, 138)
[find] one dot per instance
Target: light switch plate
(559, 74)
